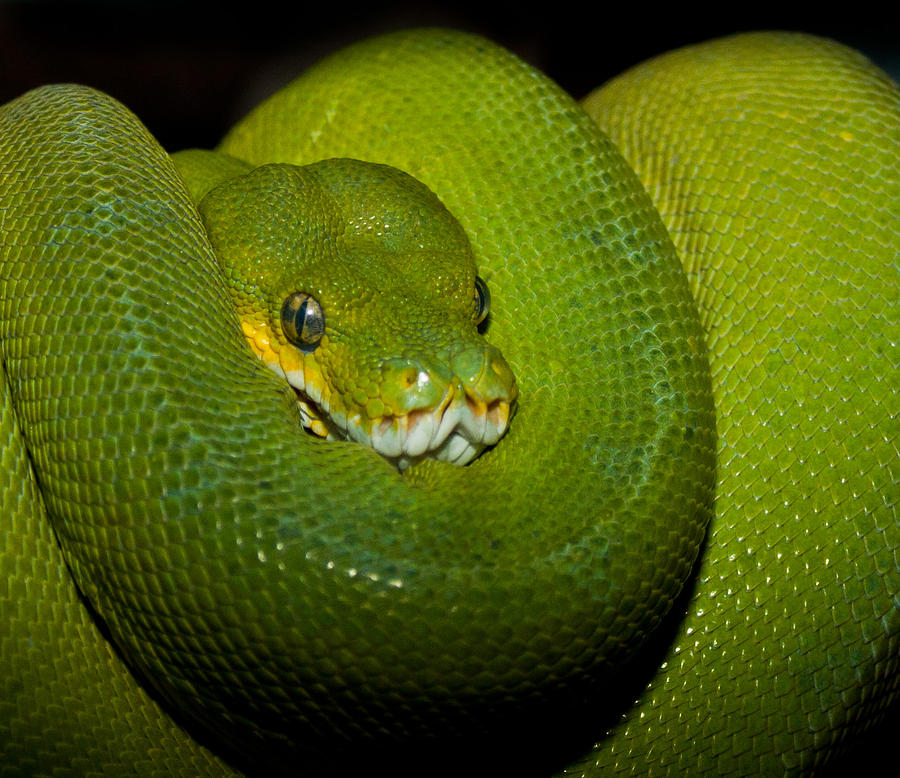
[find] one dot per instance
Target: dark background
(189, 70)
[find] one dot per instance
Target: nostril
(407, 385)
(412, 376)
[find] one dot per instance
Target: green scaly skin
(284, 596)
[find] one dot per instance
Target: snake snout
(446, 409)
(412, 384)
(490, 393)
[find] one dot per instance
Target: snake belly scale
(231, 592)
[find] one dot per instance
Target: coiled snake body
(285, 597)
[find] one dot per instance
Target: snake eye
(302, 320)
(482, 300)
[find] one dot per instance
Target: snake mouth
(469, 416)
(456, 430)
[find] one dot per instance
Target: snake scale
(683, 555)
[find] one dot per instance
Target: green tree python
(281, 496)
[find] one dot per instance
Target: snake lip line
(456, 430)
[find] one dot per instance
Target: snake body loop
(286, 597)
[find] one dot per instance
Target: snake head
(354, 283)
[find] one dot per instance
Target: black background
(189, 70)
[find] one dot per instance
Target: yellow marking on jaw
(287, 359)
(268, 348)
(317, 427)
